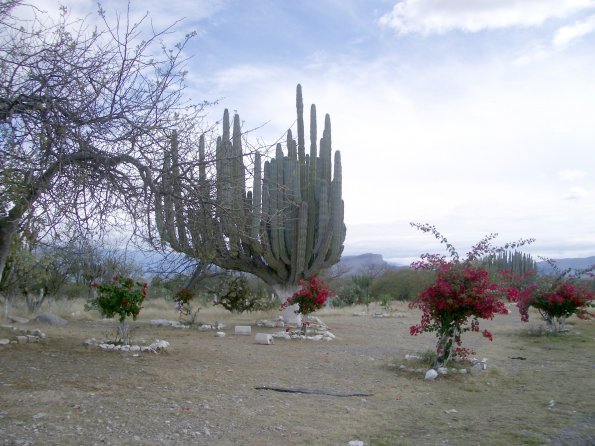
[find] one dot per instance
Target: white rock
(264, 339)
(355, 443)
(243, 330)
(412, 357)
(37, 332)
(22, 339)
(220, 334)
(4, 341)
(18, 320)
(125, 348)
(431, 375)
(135, 348)
(161, 322)
(442, 370)
(159, 345)
(328, 334)
(31, 338)
(315, 338)
(281, 335)
(451, 411)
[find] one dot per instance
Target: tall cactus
(287, 228)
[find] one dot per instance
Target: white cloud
(571, 174)
(567, 34)
(576, 193)
(440, 16)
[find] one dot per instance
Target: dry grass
(202, 391)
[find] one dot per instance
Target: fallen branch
(311, 391)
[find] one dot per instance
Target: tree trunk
(290, 314)
(8, 231)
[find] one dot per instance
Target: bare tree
(83, 114)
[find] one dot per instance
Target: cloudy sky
(475, 116)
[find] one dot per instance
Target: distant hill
(365, 263)
(564, 264)
(360, 264)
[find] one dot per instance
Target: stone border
(155, 347)
(27, 336)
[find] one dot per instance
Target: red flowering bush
(182, 299)
(311, 297)
(461, 294)
(556, 298)
(122, 297)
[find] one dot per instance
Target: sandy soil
(202, 390)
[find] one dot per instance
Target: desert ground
(536, 390)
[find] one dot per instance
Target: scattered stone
(167, 323)
(551, 404)
(380, 314)
(50, 319)
(37, 332)
(463, 371)
(206, 327)
(18, 320)
(40, 415)
(476, 368)
(4, 341)
(220, 334)
(451, 411)
(442, 370)
(408, 357)
(431, 375)
(31, 338)
(281, 335)
(355, 443)
(243, 330)
(91, 341)
(361, 313)
(22, 339)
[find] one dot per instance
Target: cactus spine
(287, 228)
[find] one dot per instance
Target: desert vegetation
(97, 138)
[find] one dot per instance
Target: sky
(473, 116)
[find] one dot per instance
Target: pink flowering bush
(312, 296)
(555, 298)
(461, 294)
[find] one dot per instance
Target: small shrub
(122, 297)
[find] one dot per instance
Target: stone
(31, 338)
(281, 335)
(22, 339)
(37, 332)
(408, 357)
(355, 443)
(160, 322)
(40, 415)
(451, 411)
(431, 375)
(442, 370)
(4, 341)
(220, 334)
(264, 339)
(477, 368)
(243, 330)
(18, 320)
(50, 319)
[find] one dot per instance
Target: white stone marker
(264, 338)
(243, 330)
